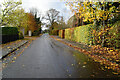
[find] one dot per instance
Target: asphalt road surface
(47, 58)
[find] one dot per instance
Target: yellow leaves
(72, 64)
(111, 50)
(102, 68)
(69, 75)
(67, 70)
(90, 20)
(104, 17)
(84, 66)
(13, 61)
(85, 63)
(104, 56)
(14, 58)
(85, 20)
(23, 65)
(115, 73)
(8, 47)
(92, 75)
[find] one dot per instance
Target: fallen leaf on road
(85, 63)
(23, 65)
(115, 73)
(14, 57)
(72, 64)
(84, 66)
(13, 61)
(67, 70)
(92, 75)
(8, 47)
(69, 75)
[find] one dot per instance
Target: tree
(61, 22)
(31, 23)
(7, 9)
(52, 15)
(38, 17)
(71, 21)
(98, 13)
(18, 18)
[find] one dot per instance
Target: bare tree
(52, 16)
(34, 11)
(37, 14)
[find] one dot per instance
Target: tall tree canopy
(94, 11)
(8, 6)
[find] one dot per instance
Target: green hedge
(9, 30)
(54, 32)
(21, 35)
(85, 34)
(62, 33)
(9, 34)
(79, 34)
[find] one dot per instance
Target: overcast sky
(44, 5)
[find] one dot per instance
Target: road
(47, 58)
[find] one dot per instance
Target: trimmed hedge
(84, 34)
(54, 32)
(62, 33)
(78, 34)
(9, 34)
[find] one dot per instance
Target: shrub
(9, 30)
(54, 32)
(62, 33)
(36, 33)
(21, 35)
(79, 34)
(114, 35)
(9, 34)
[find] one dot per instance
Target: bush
(114, 35)
(54, 32)
(9, 34)
(9, 30)
(62, 33)
(36, 33)
(78, 34)
(21, 35)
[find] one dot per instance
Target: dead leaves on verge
(106, 56)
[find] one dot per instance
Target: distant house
(75, 21)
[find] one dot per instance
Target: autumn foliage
(31, 22)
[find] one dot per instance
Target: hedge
(79, 34)
(62, 33)
(54, 32)
(21, 35)
(84, 34)
(9, 34)
(114, 33)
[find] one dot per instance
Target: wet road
(47, 58)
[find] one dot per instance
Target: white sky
(44, 5)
